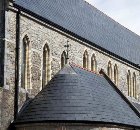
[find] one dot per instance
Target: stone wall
(8, 90)
(40, 34)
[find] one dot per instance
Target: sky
(126, 12)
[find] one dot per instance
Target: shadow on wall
(11, 127)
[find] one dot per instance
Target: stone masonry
(40, 34)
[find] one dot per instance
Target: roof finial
(67, 57)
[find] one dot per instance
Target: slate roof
(137, 106)
(79, 95)
(86, 21)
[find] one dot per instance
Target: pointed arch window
(63, 59)
(129, 82)
(85, 59)
(46, 66)
(109, 69)
(93, 63)
(25, 75)
(134, 90)
(116, 74)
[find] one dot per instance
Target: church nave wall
(40, 35)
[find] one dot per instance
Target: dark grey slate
(83, 96)
(137, 106)
(66, 70)
(86, 21)
(25, 105)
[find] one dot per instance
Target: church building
(65, 65)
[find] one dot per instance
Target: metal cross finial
(67, 57)
(67, 46)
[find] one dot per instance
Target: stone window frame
(93, 63)
(26, 74)
(134, 89)
(85, 59)
(109, 70)
(129, 83)
(116, 74)
(46, 66)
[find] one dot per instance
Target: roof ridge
(111, 18)
(86, 69)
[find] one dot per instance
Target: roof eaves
(120, 93)
(79, 122)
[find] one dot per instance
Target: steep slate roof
(86, 21)
(137, 106)
(79, 95)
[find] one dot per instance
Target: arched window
(129, 82)
(93, 63)
(85, 59)
(134, 90)
(63, 59)
(116, 74)
(25, 75)
(46, 66)
(109, 69)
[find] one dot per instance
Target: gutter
(17, 64)
(78, 122)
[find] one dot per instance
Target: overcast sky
(126, 12)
